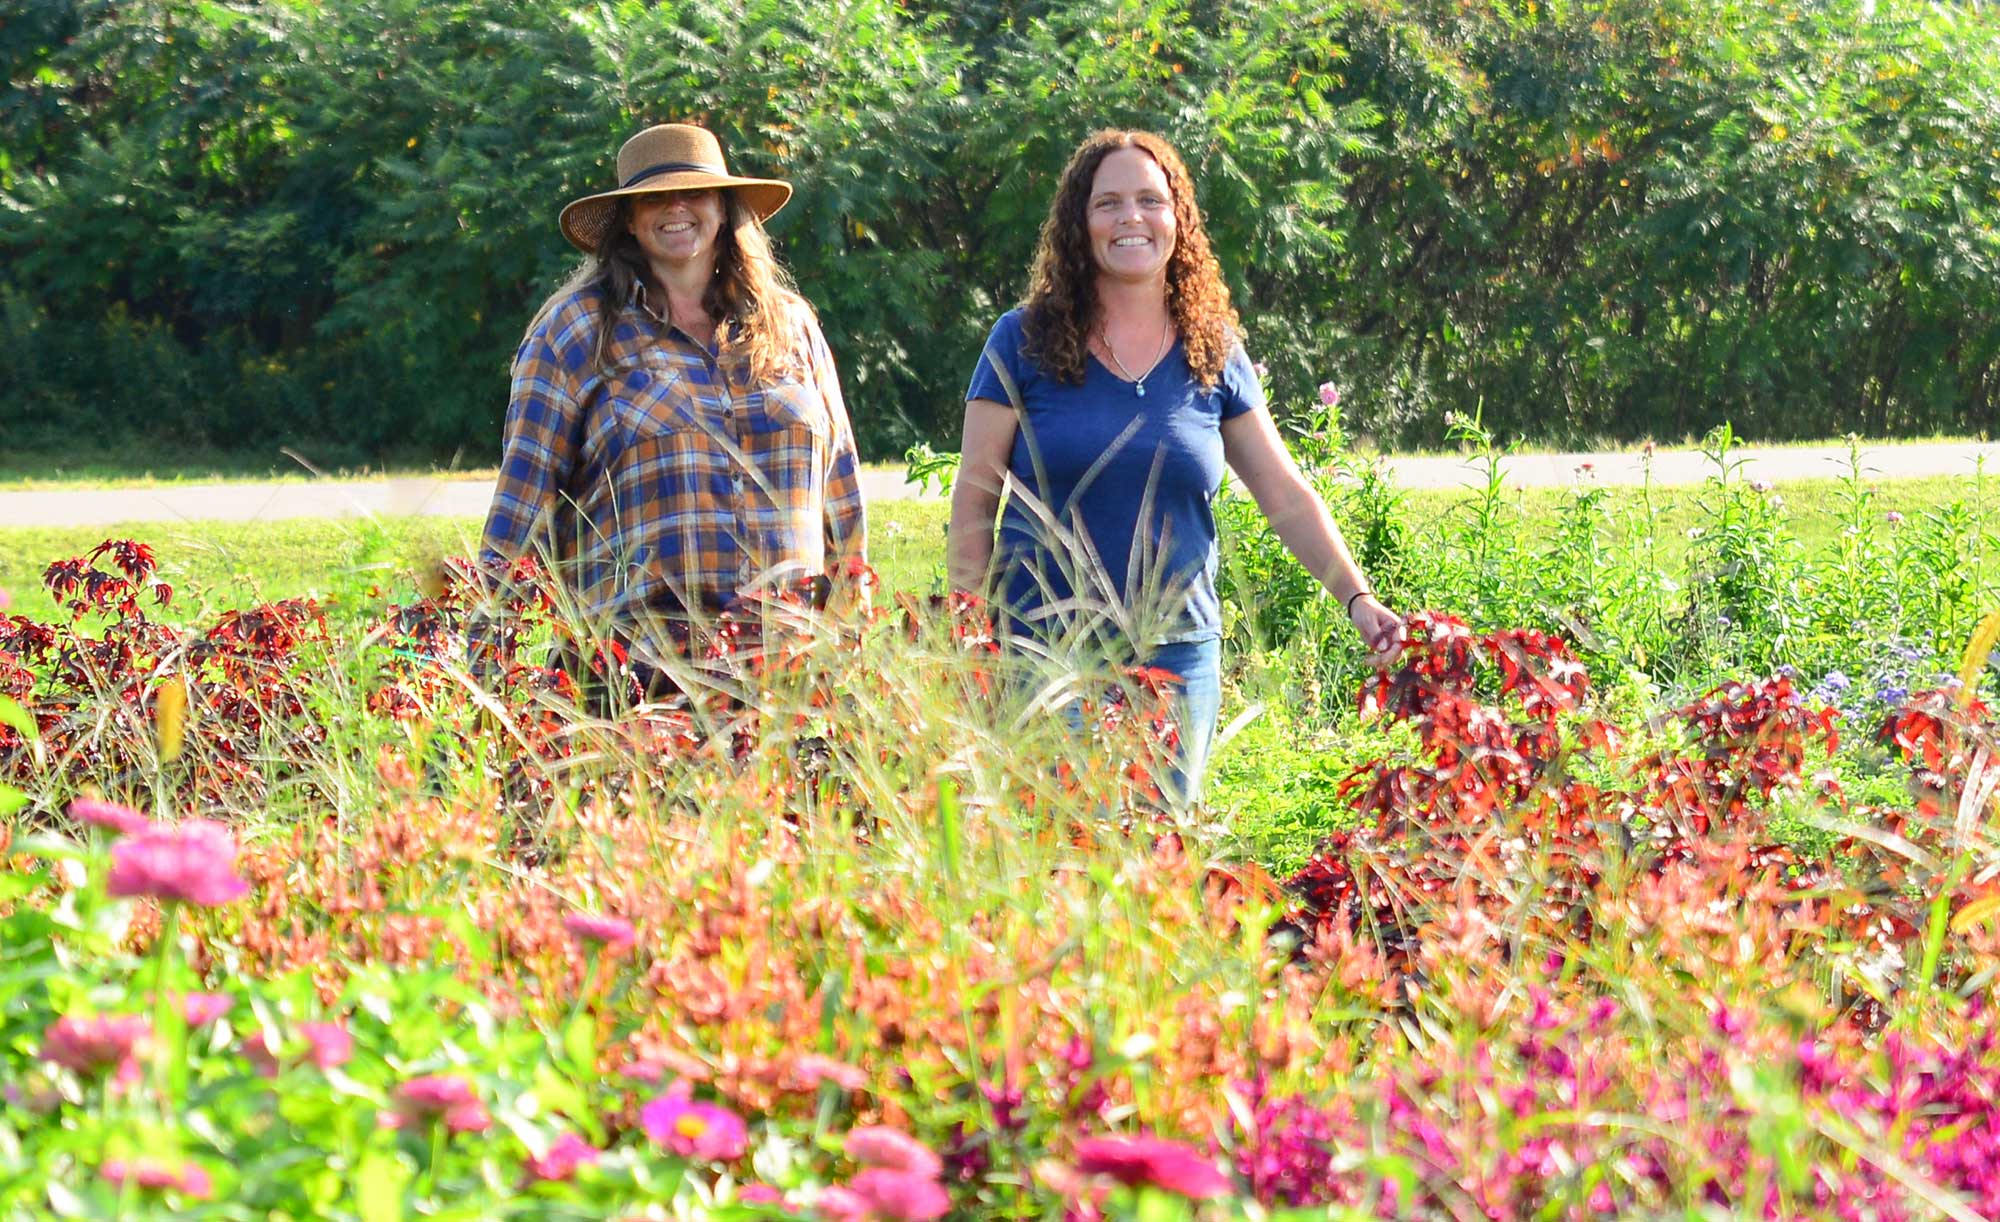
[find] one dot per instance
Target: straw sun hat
(670, 157)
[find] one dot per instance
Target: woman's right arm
(537, 453)
(985, 450)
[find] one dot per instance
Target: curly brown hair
(1061, 306)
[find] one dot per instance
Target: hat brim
(583, 221)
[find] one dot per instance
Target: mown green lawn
(236, 563)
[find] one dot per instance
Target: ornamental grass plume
(706, 1132)
(188, 1179)
(1152, 1162)
(190, 863)
(90, 1046)
(112, 817)
(877, 1145)
(445, 1097)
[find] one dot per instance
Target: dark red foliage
(1490, 813)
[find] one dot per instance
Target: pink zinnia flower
(1155, 1161)
(877, 1145)
(760, 1194)
(566, 1153)
(812, 1069)
(92, 1045)
(1329, 394)
(201, 1009)
(189, 1179)
(110, 816)
(608, 931)
(330, 1044)
(702, 1131)
(193, 863)
(446, 1097)
(881, 1195)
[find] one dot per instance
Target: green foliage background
(239, 224)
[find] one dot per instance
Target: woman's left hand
(1381, 629)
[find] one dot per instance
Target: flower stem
(170, 1058)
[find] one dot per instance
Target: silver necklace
(1138, 383)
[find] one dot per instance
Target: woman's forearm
(1309, 532)
(969, 539)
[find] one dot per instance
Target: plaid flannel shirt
(666, 482)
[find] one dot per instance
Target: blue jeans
(1199, 699)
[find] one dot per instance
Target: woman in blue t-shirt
(1108, 404)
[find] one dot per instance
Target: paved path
(459, 498)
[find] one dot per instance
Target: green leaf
(12, 714)
(379, 1181)
(11, 800)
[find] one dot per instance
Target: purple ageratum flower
(565, 1154)
(1835, 683)
(1329, 394)
(706, 1132)
(110, 816)
(191, 863)
(610, 932)
(1152, 1161)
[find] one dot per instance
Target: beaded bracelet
(1352, 597)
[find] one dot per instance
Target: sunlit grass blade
(1976, 652)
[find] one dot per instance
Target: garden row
(305, 919)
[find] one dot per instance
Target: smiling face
(677, 228)
(1130, 214)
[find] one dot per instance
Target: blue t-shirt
(1117, 528)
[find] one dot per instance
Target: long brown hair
(1061, 306)
(751, 293)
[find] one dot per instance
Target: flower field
(302, 918)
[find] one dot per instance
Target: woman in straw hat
(1111, 402)
(676, 442)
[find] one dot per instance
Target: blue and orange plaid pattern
(665, 482)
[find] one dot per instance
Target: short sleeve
(1004, 343)
(1242, 389)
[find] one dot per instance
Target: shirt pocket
(645, 400)
(795, 411)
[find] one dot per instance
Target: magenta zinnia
(94, 1045)
(1152, 1161)
(108, 815)
(445, 1097)
(191, 863)
(566, 1153)
(188, 1178)
(877, 1145)
(881, 1195)
(702, 1131)
(201, 1009)
(610, 932)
